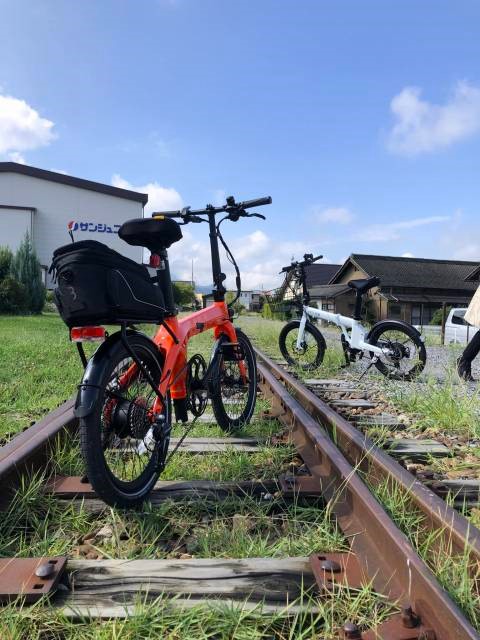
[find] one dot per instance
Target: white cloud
(259, 257)
(159, 198)
(16, 156)
(337, 215)
(421, 126)
(407, 254)
(393, 230)
(21, 127)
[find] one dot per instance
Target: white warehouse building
(49, 204)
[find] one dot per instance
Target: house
(411, 289)
(251, 300)
(48, 205)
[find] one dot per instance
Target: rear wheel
(233, 385)
(312, 350)
(123, 444)
(403, 351)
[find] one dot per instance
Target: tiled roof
(414, 272)
(320, 273)
(329, 290)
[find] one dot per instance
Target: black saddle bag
(97, 285)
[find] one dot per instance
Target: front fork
(301, 331)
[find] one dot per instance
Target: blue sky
(361, 119)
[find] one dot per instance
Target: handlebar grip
(317, 258)
(167, 214)
(259, 202)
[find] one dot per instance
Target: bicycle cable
(231, 259)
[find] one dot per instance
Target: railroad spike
(410, 619)
(45, 570)
(331, 565)
(351, 631)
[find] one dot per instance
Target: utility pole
(444, 319)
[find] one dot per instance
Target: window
(394, 310)
(458, 318)
(416, 314)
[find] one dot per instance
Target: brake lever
(255, 215)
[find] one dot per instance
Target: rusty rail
(383, 551)
(30, 450)
(454, 531)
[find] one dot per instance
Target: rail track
(340, 463)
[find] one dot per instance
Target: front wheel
(123, 443)
(234, 383)
(403, 351)
(311, 351)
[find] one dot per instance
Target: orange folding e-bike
(124, 399)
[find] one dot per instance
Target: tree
(6, 258)
(438, 316)
(13, 296)
(183, 294)
(27, 270)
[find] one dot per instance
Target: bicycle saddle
(153, 233)
(363, 285)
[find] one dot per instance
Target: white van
(457, 329)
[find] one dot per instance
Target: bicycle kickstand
(372, 362)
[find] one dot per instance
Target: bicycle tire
(111, 489)
(288, 338)
(375, 336)
(222, 388)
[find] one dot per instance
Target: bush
(183, 294)
(267, 311)
(277, 310)
(13, 296)
(438, 315)
(6, 258)
(27, 270)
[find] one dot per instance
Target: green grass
(318, 619)
(236, 527)
(264, 334)
(40, 369)
(454, 572)
(447, 407)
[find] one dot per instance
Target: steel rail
(453, 531)
(384, 552)
(30, 450)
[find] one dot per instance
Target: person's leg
(464, 364)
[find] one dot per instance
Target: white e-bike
(395, 347)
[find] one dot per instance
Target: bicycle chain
(180, 442)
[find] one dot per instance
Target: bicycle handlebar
(308, 259)
(259, 202)
(236, 209)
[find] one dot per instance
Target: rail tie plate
(29, 579)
